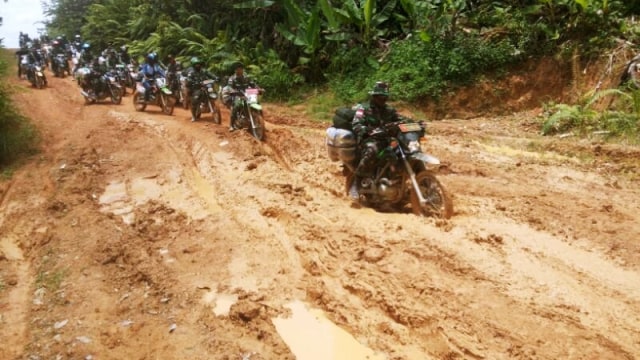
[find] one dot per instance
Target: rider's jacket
(151, 71)
(369, 116)
(195, 77)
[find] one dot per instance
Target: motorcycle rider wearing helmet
(368, 116)
(238, 82)
(195, 76)
(56, 49)
(125, 58)
(149, 71)
(85, 58)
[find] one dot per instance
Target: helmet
(86, 46)
(59, 38)
(151, 56)
(55, 43)
(380, 88)
(124, 48)
(195, 60)
(77, 36)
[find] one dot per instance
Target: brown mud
(136, 235)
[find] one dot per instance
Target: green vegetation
(17, 135)
(620, 121)
(424, 48)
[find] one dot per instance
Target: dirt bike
(60, 65)
(102, 87)
(204, 100)
(160, 95)
(123, 75)
(403, 172)
(36, 76)
(248, 112)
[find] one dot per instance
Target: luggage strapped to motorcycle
(343, 118)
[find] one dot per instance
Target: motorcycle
(248, 112)
(131, 78)
(36, 76)
(403, 173)
(60, 65)
(124, 77)
(104, 86)
(160, 95)
(204, 100)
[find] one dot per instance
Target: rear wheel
(438, 203)
(258, 125)
(39, 82)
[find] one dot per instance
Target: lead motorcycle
(160, 95)
(36, 76)
(204, 99)
(403, 174)
(249, 112)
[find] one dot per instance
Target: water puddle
(311, 336)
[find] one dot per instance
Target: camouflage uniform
(195, 77)
(370, 115)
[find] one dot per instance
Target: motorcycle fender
(166, 91)
(256, 107)
(426, 158)
(39, 73)
(213, 96)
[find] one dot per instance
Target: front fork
(412, 176)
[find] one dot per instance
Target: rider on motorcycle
(370, 115)
(92, 79)
(56, 49)
(124, 56)
(195, 77)
(238, 82)
(149, 71)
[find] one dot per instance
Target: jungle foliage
(422, 47)
(17, 135)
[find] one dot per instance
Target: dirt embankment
(139, 235)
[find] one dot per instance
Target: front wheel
(39, 82)
(139, 105)
(257, 128)
(116, 94)
(215, 112)
(438, 203)
(167, 104)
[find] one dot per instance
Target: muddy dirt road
(145, 236)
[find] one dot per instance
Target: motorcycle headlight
(414, 146)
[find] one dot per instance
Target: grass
(18, 136)
(50, 280)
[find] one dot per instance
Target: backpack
(343, 118)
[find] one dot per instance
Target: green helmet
(195, 60)
(380, 88)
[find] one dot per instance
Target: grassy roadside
(18, 136)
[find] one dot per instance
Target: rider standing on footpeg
(370, 115)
